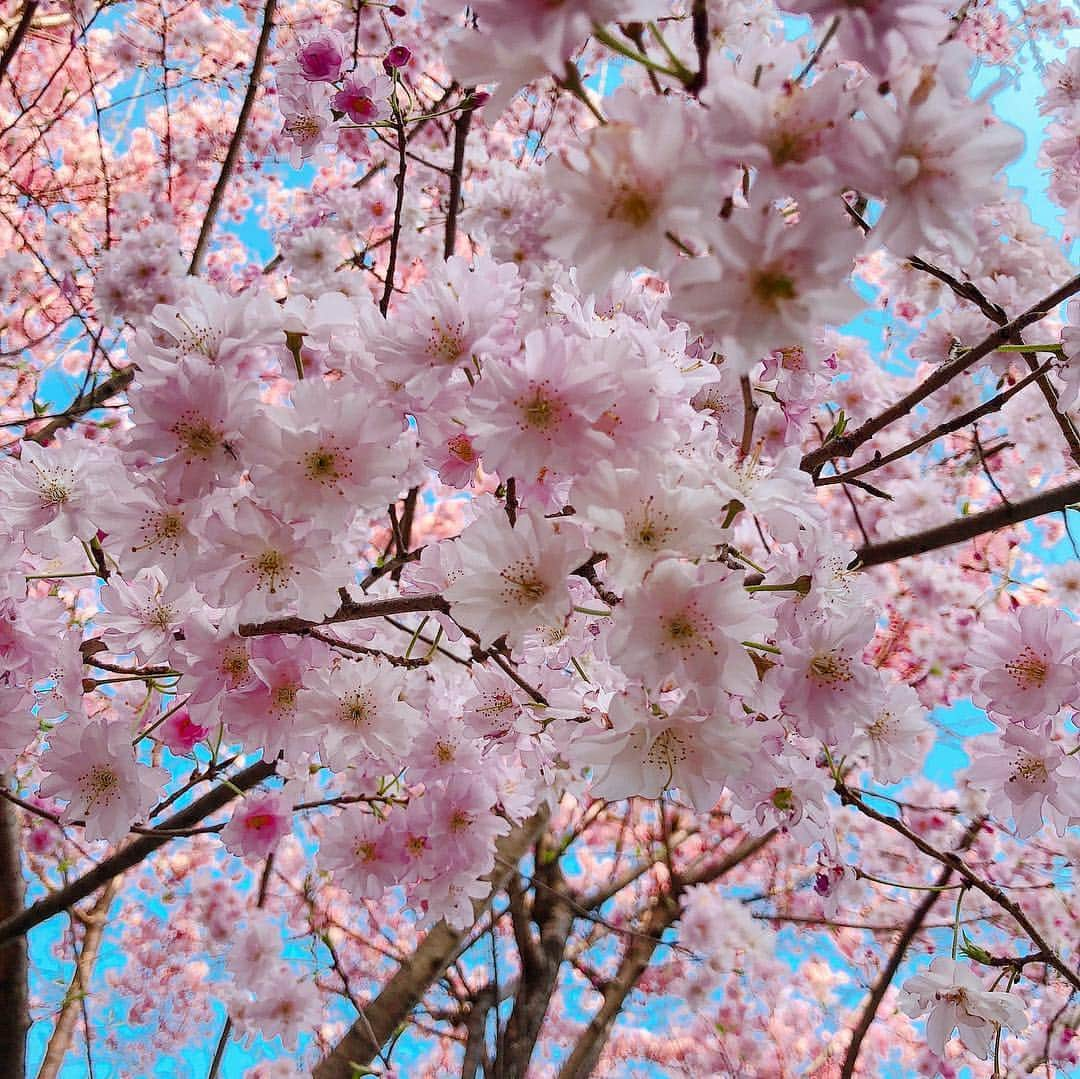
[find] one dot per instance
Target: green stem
(956, 920)
(613, 43)
(762, 647)
(1056, 349)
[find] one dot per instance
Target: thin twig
(233, 152)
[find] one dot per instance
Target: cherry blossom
(256, 825)
(514, 578)
(1028, 664)
(91, 765)
(956, 999)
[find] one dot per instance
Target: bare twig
(233, 152)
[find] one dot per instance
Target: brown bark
(553, 913)
(392, 1007)
(95, 921)
(965, 528)
(911, 930)
(14, 1003)
(846, 444)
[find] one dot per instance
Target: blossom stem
(158, 722)
(1056, 349)
(956, 919)
(681, 71)
(910, 887)
(847, 443)
(607, 38)
(821, 47)
(762, 647)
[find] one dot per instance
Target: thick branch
(348, 612)
(95, 921)
(554, 919)
(424, 966)
(85, 402)
(233, 152)
(399, 202)
(965, 528)
(846, 444)
(665, 912)
(14, 1003)
(134, 852)
(947, 427)
(461, 135)
(12, 45)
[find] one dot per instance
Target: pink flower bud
(180, 733)
(320, 61)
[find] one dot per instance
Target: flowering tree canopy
(501, 509)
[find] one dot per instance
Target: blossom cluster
(539, 522)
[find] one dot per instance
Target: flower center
(322, 465)
(52, 491)
(528, 586)
(257, 821)
(446, 344)
(631, 206)
(234, 665)
(357, 708)
(1028, 670)
(461, 448)
(100, 784)
(771, 286)
(882, 727)
(197, 436)
(302, 128)
(272, 568)
(283, 698)
(1030, 769)
(540, 409)
(688, 632)
(830, 670)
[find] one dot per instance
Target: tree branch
(846, 444)
(965, 528)
(14, 1000)
(461, 134)
(233, 152)
(399, 202)
(85, 402)
(134, 852)
(994, 404)
(991, 891)
(424, 966)
(95, 921)
(888, 972)
(348, 612)
(666, 910)
(11, 47)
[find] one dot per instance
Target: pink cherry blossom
(180, 733)
(1028, 664)
(684, 626)
(92, 766)
(320, 57)
(257, 824)
(514, 578)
